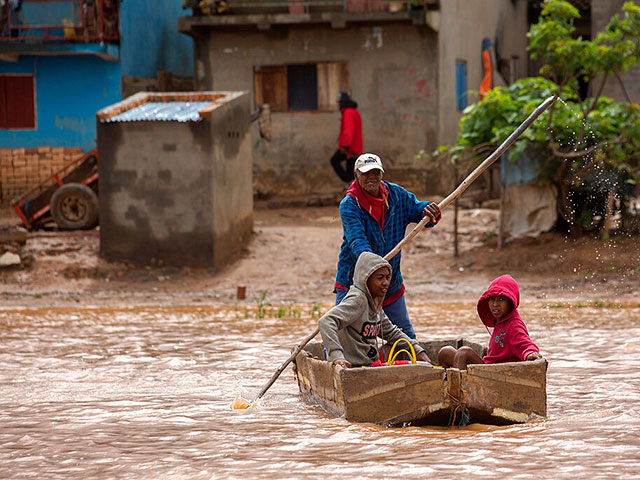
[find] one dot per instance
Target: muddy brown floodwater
(145, 393)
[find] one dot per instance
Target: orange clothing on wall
(485, 84)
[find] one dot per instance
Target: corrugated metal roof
(162, 111)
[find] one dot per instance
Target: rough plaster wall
(392, 70)
(202, 70)
(155, 192)
(511, 40)
(232, 184)
(601, 13)
(463, 26)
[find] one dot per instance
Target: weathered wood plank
(422, 394)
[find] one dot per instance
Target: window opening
(300, 87)
(461, 85)
(17, 101)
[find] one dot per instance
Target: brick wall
(24, 168)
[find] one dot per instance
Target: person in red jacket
(349, 140)
(510, 342)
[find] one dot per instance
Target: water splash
(242, 403)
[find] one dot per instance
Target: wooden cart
(69, 197)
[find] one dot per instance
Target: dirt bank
(292, 256)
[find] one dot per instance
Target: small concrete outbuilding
(175, 178)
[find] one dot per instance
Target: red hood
(504, 286)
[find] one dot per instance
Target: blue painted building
(62, 61)
(68, 90)
(150, 41)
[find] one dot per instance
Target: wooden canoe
(421, 394)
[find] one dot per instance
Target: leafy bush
(591, 142)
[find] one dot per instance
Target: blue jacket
(361, 232)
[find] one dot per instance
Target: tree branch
(624, 89)
(588, 168)
(561, 154)
(597, 97)
(589, 109)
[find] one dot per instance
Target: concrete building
(412, 68)
(175, 178)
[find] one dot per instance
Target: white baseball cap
(368, 161)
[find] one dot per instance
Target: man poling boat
(240, 402)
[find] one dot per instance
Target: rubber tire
(74, 207)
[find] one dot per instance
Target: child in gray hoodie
(350, 329)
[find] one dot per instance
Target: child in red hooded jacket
(510, 342)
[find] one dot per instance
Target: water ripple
(139, 393)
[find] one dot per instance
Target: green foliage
(612, 126)
(264, 309)
(261, 304)
(567, 57)
(556, 305)
(495, 117)
(488, 235)
(316, 311)
(594, 304)
(575, 136)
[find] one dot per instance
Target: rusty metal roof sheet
(162, 111)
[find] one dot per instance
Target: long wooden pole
(443, 204)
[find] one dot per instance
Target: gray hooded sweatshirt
(349, 329)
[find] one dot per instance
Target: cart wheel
(74, 206)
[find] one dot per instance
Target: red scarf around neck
(376, 206)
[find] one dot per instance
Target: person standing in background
(349, 140)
